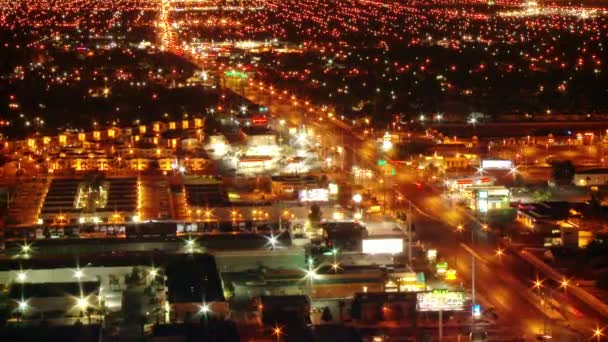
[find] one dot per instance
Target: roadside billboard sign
(443, 300)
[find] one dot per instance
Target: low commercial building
(592, 177)
(372, 307)
(487, 198)
(292, 312)
(459, 184)
(290, 186)
(448, 161)
(560, 223)
(53, 284)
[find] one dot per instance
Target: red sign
(259, 121)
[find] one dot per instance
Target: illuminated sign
(443, 300)
(409, 282)
(441, 267)
(431, 255)
(383, 246)
(259, 121)
(476, 310)
(381, 162)
(494, 164)
(482, 201)
(234, 73)
(333, 188)
(314, 195)
(386, 142)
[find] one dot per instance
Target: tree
(153, 167)
(596, 248)
(314, 214)
(134, 278)
(519, 181)
(432, 170)
(541, 195)
(326, 316)
(597, 198)
(563, 171)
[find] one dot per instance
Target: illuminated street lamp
(538, 284)
(310, 274)
(460, 228)
(272, 240)
(513, 171)
(78, 274)
(82, 303)
(190, 244)
(277, 331)
(357, 198)
(598, 333)
(500, 252)
(335, 266)
(153, 273)
(21, 276)
(26, 248)
(22, 306)
(204, 309)
(565, 283)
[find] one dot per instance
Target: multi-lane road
(504, 283)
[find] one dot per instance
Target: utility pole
(343, 151)
(383, 192)
(409, 233)
(472, 275)
(440, 325)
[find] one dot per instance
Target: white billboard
(314, 195)
(383, 246)
(496, 164)
(443, 300)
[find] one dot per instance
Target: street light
(22, 306)
(598, 333)
(190, 244)
(204, 309)
(538, 284)
(513, 171)
(153, 273)
(565, 283)
(78, 274)
(460, 228)
(272, 240)
(277, 331)
(26, 248)
(500, 252)
(82, 303)
(311, 274)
